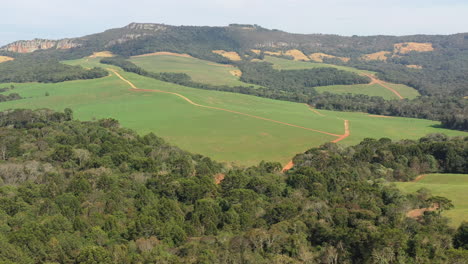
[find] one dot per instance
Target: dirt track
(420, 177)
(345, 135)
(314, 110)
(217, 108)
(383, 84)
(290, 164)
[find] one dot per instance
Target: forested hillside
(92, 192)
(440, 70)
(435, 65)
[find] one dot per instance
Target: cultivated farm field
(201, 71)
(372, 89)
(225, 126)
(451, 186)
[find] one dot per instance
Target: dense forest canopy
(92, 192)
(38, 69)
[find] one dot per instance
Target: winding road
(374, 80)
(290, 164)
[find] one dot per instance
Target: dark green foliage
(451, 111)
(460, 239)
(383, 158)
(10, 97)
(36, 69)
(92, 192)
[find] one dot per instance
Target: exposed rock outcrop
(27, 46)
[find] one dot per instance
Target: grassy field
(285, 64)
(371, 90)
(221, 135)
(200, 70)
(452, 186)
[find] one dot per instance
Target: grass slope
(367, 89)
(452, 186)
(371, 90)
(200, 70)
(221, 135)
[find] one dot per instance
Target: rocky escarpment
(27, 46)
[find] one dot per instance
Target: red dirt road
(420, 177)
(217, 108)
(383, 84)
(345, 135)
(314, 110)
(290, 164)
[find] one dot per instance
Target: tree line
(37, 69)
(451, 111)
(93, 192)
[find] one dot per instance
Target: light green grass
(285, 64)
(370, 90)
(200, 70)
(451, 186)
(221, 135)
(404, 90)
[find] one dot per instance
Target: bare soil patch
(297, 55)
(418, 213)
(236, 73)
(5, 58)
(381, 55)
(406, 47)
(275, 53)
(163, 53)
(102, 54)
(232, 55)
(318, 57)
(256, 51)
(412, 66)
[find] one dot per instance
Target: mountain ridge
(251, 36)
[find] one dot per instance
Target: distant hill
(433, 64)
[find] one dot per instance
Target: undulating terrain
(154, 143)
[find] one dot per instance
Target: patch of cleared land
(412, 66)
(5, 58)
(232, 55)
(256, 51)
(372, 89)
(381, 55)
(406, 47)
(451, 186)
(318, 57)
(163, 53)
(297, 55)
(102, 54)
(199, 70)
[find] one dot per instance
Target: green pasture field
(371, 90)
(451, 186)
(224, 136)
(285, 64)
(201, 71)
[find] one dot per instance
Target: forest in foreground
(93, 192)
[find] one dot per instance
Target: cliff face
(27, 46)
